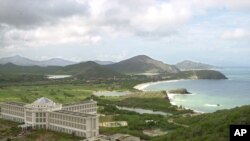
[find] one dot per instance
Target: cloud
(26, 13)
(235, 34)
(45, 22)
(70, 30)
(235, 4)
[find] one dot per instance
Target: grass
(137, 122)
(155, 100)
(47, 135)
(7, 128)
(58, 93)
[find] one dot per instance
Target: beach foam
(212, 105)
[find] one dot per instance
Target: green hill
(142, 64)
(208, 127)
(89, 69)
(10, 68)
(198, 74)
(14, 73)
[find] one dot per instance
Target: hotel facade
(80, 119)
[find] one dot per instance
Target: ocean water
(211, 95)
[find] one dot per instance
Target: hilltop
(191, 65)
(89, 69)
(142, 64)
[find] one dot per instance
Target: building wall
(13, 112)
(88, 107)
(80, 126)
(80, 119)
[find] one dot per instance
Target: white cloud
(238, 33)
(236, 4)
(69, 30)
(91, 21)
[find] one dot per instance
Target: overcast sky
(210, 31)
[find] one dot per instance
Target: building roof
(44, 103)
(43, 100)
(15, 103)
(75, 113)
(79, 103)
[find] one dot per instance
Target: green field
(58, 93)
(155, 100)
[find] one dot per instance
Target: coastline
(171, 96)
(142, 86)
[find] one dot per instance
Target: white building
(79, 118)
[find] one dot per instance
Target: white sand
(171, 96)
(145, 85)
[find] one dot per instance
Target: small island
(179, 91)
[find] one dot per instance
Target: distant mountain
(18, 60)
(56, 62)
(88, 69)
(103, 62)
(22, 61)
(142, 64)
(190, 65)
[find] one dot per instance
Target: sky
(209, 31)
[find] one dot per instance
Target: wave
(212, 105)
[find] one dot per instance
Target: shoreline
(142, 86)
(171, 96)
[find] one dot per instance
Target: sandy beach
(171, 96)
(145, 85)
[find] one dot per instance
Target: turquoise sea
(212, 95)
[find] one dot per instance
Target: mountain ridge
(23, 61)
(142, 64)
(192, 65)
(89, 69)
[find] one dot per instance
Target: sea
(211, 95)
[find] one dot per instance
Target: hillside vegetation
(209, 127)
(142, 64)
(89, 70)
(199, 74)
